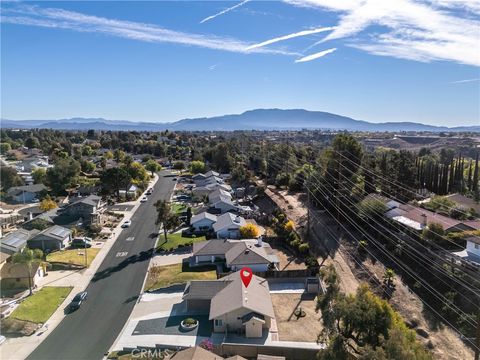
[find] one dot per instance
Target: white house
(472, 250)
(228, 226)
(217, 194)
(203, 222)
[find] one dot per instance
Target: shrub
(249, 231)
(189, 321)
(303, 248)
(289, 226)
(311, 261)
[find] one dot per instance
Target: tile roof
(195, 353)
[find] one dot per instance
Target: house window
(218, 322)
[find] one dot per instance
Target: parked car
(144, 199)
(149, 191)
(81, 242)
(78, 300)
(127, 223)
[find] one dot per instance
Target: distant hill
(260, 119)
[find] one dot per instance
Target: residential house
(228, 226)
(254, 254)
(203, 222)
(223, 205)
(231, 306)
(90, 209)
(16, 241)
(201, 191)
(472, 250)
(16, 276)
(132, 191)
(417, 218)
(195, 353)
(218, 194)
(53, 238)
(27, 193)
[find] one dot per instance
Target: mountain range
(259, 119)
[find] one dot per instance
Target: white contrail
(316, 55)
(291, 36)
(224, 11)
(465, 81)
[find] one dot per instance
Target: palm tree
(28, 257)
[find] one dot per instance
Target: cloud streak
(224, 11)
(316, 55)
(465, 81)
(70, 20)
(290, 36)
(427, 30)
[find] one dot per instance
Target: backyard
(73, 256)
(176, 240)
(291, 328)
(163, 276)
(40, 306)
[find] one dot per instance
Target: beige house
(233, 308)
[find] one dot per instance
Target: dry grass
(288, 261)
(289, 327)
(73, 256)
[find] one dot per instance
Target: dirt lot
(288, 261)
(289, 327)
(445, 341)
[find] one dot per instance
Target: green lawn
(178, 208)
(175, 240)
(73, 256)
(163, 276)
(40, 306)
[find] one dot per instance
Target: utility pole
(308, 203)
(477, 340)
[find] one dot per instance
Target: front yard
(291, 328)
(163, 276)
(73, 256)
(176, 240)
(178, 208)
(40, 306)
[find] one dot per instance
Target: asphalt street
(89, 332)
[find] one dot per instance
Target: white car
(144, 199)
(127, 224)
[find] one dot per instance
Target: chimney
(259, 241)
(424, 220)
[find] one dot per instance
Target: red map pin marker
(246, 275)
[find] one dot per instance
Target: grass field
(163, 276)
(174, 240)
(40, 306)
(178, 208)
(73, 256)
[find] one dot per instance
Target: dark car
(78, 300)
(81, 243)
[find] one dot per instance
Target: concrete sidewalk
(21, 347)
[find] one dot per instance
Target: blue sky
(414, 60)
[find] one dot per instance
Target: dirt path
(445, 342)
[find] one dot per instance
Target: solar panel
(60, 232)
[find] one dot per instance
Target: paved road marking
(130, 238)
(121, 254)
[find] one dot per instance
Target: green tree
(197, 166)
(389, 282)
(87, 166)
(165, 217)
(152, 166)
(5, 147)
(434, 233)
(39, 176)
(9, 177)
(63, 175)
(28, 257)
(115, 179)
